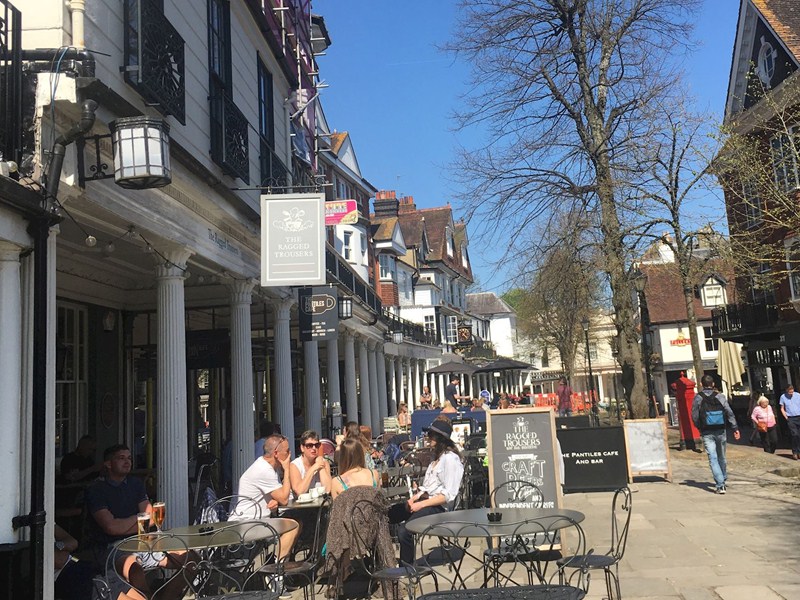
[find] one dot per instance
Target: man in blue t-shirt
(790, 407)
(114, 503)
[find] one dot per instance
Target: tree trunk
(691, 317)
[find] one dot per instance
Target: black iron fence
(737, 319)
(411, 331)
(10, 82)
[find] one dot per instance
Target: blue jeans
(714, 442)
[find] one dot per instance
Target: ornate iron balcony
(230, 148)
(740, 320)
(154, 57)
(10, 82)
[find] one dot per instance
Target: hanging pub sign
(318, 312)
(292, 239)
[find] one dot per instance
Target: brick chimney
(407, 204)
(386, 204)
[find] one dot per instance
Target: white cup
(314, 492)
(304, 497)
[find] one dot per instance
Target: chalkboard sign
(595, 459)
(521, 444)
(648, 451)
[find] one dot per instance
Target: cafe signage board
(292, 239)
(521, 444)
(341, 212)
(595, 458)
(318, 313)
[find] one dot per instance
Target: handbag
(762, 426)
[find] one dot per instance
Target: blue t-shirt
(791, 404)
(122, 499)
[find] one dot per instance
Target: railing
(743, 318)
(411, 331)
(10, 82)
(343, 274)
(229, 142)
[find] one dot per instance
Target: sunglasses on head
(312, 444)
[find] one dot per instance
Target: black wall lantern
(345, 307)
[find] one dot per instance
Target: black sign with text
(521, 445)
(595, 459)
(318, 313)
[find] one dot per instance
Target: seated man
(113, 503)
(267, 484)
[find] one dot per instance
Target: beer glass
(159, 513)
(142, 525)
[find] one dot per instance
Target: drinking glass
(142, 525)
(159, 513)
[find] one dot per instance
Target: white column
(363, 383)
(241, 293)
(441, 383)
(350, 390)
(171, 411)
(376, 421)
(398, 381)
(312, 385)
(417, 384)
(394, 398)
(284, 407)
(334, 395)
(383, 393)
(11, 385)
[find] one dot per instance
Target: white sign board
(292, 239)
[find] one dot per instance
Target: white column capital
(283, 309)
(9, 251)
(241, 291)
(170, 260)
(362, 342)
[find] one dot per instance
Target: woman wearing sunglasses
(310, 468)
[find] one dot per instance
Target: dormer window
(450, 245)
(713, 292)
(464, 261)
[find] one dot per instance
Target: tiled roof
(664, 296)
(784, 17)
(383, 228)
(487, 303)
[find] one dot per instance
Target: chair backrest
(621, 509)
(157, 553)
(516, 493)
(475, 441)
(234, 557)
(368, 529)
(539, 541)
(438, 546)
(237, 508)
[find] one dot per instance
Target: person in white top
(310, 468)
(264, 487)
(439, 488)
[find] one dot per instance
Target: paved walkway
(688, 542)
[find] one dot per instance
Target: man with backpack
(710, 411)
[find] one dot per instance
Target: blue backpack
(712, 413)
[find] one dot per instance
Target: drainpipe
(78, 10)
(40, 230)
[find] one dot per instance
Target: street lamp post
(615, 355)
(592, 398)
(640, 283)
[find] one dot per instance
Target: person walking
(790, 407)
(710, 412)
(564, 393)
(765, 424)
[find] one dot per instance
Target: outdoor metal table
(295, 505)
(474, 523)
(523, 592)
(510, 523)
(229, 533)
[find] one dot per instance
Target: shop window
(712, 343)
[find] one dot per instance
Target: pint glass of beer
(159, 512)
(142, 525)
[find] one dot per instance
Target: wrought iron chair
(620, 523)
(524, 495)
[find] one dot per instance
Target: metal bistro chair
(537, 540)
(442, 554)
(262, 578)
(150, 566)
(522, 494)
(609, 562)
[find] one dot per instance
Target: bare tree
(562, 88)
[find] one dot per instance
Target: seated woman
(352, 470)
(439, 488)
(310, 468)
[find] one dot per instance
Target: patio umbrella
(454, 367)
(503, 364)
(729, 363)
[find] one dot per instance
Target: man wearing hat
(440, 487)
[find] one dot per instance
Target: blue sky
(394, 92)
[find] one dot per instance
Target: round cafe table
(456, 523)
(228, 533)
